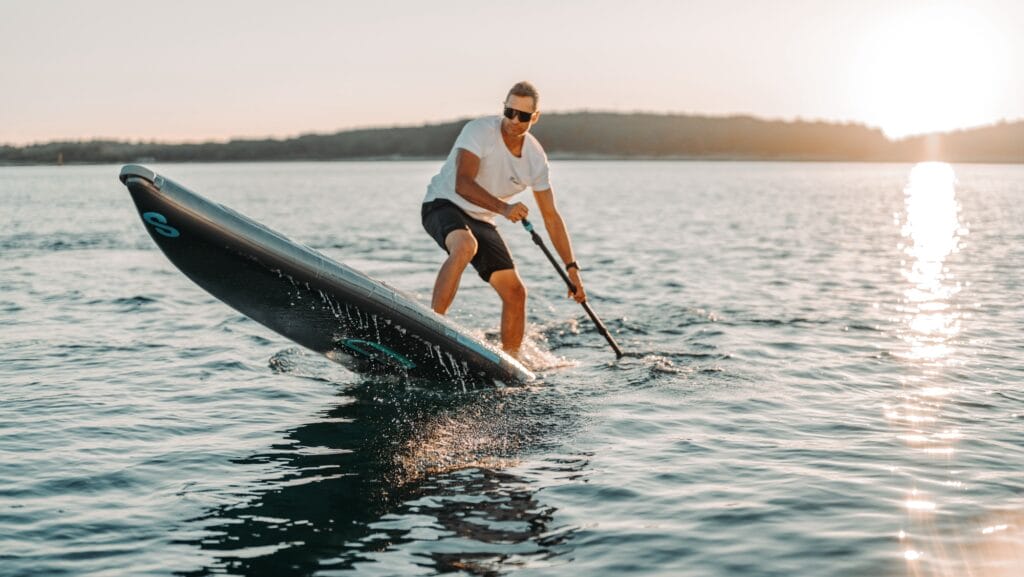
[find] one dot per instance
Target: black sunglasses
(511, 113)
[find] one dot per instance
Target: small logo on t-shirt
(515, 180)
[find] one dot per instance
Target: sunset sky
(190, 71)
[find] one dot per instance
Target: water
(821, 380)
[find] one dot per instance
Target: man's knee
(509, 286)
(461, 245)
(517, 292)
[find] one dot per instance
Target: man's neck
(514, 143)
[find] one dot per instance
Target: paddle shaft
(572, 288)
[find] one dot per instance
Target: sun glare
(937, 68)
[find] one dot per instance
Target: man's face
(513, 126)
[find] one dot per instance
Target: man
(493, 160)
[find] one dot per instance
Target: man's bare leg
(461, 246)
(513, 308)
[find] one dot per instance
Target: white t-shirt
(501, 174)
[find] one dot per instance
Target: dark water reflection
(391, 466)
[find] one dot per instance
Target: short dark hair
(524, 88)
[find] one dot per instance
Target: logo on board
(159, 224)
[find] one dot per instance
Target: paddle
(572, 288)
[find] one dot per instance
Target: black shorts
(440, 217)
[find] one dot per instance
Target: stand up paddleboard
(328, 307)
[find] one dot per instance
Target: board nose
(137, 170)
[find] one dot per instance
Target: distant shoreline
(556, 158)
(572, 136)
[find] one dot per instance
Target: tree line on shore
(575, 135)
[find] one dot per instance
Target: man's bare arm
(559, 235)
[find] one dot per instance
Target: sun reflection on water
(932, 232)
(929, 323)
(929, 326)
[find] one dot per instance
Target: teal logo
(376, 352)
(159, 224)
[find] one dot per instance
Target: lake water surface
(823, 378)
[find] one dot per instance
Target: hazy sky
(190, 70)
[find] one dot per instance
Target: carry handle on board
(572, 288)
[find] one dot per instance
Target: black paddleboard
(361, 323)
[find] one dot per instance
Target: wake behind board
(361, 323)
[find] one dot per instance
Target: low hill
(575, 135)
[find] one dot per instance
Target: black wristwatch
(572, 265)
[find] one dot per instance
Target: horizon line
(428, 123)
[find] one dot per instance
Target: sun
(937, 67)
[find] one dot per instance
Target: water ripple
(820, 379)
